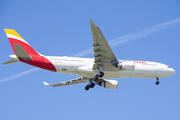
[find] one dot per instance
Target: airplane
(97, 70)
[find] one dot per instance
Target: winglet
(92, 23)
(45, 83)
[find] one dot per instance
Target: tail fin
(15, 39)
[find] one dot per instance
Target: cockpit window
(168, 66)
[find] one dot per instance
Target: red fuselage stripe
(41, 62)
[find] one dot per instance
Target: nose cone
(165, 72)
(172, 71)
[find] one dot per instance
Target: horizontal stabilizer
(21, 53)
(11, 61)
(45, 83)
(14, 60)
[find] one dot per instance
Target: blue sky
(137, 30)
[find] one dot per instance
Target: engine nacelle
(126, 66)
(111, 84)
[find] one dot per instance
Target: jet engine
(111, 84)
(126, 66)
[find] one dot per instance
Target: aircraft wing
(103, 55)
(69, 82)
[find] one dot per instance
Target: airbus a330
(97, 70)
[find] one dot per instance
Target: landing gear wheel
(157, 82)
(87, 87)
(92, 85)
(96, 77)
(101, 74)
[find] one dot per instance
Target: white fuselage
(83, 67)
(103, 65)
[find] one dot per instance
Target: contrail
(114, 42)
(18, 75)
(129, 37)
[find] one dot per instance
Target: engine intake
(126, 66)
(111, 84)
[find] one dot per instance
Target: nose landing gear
(157, 82)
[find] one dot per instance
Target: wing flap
(69, 82)
(103, 55)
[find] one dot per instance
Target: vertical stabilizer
(15, 38)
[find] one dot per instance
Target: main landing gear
(100, 74)
(89, 86)
(96, 77)
(157, 82)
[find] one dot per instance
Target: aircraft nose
(173, 71)
(164, 72)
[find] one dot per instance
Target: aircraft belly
(86, 71)
(144, 71)
(66, 68)
(116, 74)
